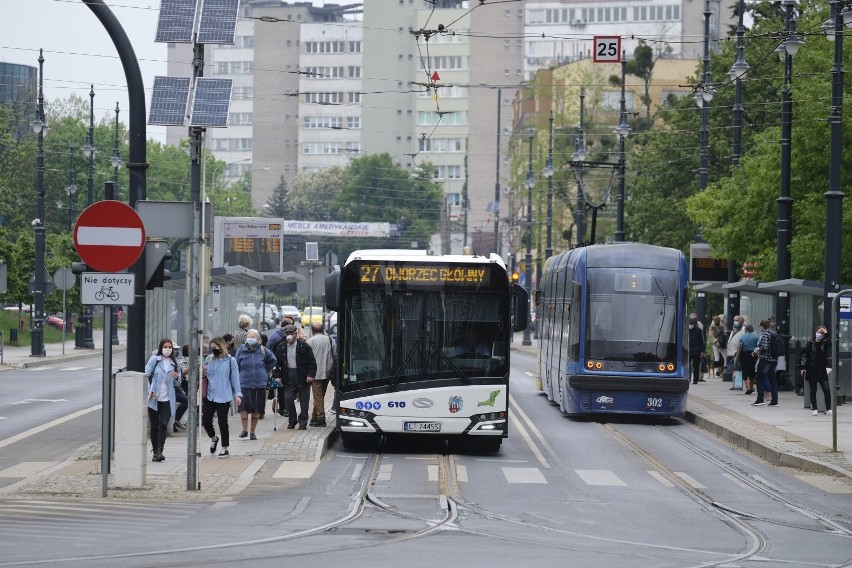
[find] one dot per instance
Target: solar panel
(176, 21)
(168, 102)
(218, 21)
(212, 101)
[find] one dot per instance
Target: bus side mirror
(332, 290)
(520, 307)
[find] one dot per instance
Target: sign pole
(106, 406)
(65, 323)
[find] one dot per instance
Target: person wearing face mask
(814, 364)
(731, 348)
(255, 362)
(697, 347)
(745, 358)
(296, 368)
(223, 387)
(163, 375)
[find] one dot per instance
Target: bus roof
(396, 255)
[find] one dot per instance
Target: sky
(78, 52)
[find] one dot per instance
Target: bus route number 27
(607, 49)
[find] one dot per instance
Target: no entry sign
(109, 236)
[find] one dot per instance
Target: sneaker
(243, 434)
(758, 403)
(320, 424)
(775, 403)
(291, 426)
(828, 412)
(213, 445)
(252, 436)
(733, 389)
(303, 427)
(814, 412)
(180, 425)
(224, 454)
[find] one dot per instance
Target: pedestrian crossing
(86, 521)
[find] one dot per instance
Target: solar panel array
(168, 101)
(176, 21)
(212, 101)
(218, 21)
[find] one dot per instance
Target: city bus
(612, 330)
(423, 345)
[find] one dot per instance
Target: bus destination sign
(424, 274)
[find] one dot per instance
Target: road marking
(433, 472)
(461, 473)
(26, 469)
(523, 475)
(599, 477)
(385, 471)
(29, 400)
(529, 441)
(517, 408)
(43, 427)
(356, 473)
(73, 368)
(661, 478)
(689, 479)
(296, 470)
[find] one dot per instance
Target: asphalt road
(627, 493)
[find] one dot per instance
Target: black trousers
(296, 386)
(221, 410)
(695, 367)
(159, 420)
(826, 391)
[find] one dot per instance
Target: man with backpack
(769, 348)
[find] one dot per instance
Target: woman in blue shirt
(223, 386)
(163, 374)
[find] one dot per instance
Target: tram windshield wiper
(395, 380)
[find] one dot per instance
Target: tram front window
(631, 315)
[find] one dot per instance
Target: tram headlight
(590, 364)
(670, 367)
(598, 365)
(661, 367)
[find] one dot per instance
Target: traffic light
(160, 274)
(79, 268)
(515, 277)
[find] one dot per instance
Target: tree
(641, 66)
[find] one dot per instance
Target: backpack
(723, 340)
(776, 344)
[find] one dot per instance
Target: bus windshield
(395, 337)
(632, 315)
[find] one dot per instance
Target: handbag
(738, 380)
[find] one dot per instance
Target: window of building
(354, 47)
(354, 71)
(353, 122)
(535, 16)
(612, 101)
(355, 97)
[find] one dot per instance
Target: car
(270, 320)
(311, 314)
(291, 311)
(53, 321)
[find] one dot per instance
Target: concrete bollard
(131, 417)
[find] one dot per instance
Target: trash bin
(80, 337)
(13, 336)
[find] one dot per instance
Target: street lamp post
(116, 160)
(834, 197)
(623, 131)
(786, 51)
(579, 155)
(71, 189)
(497, 179)
(549, 170)
(736, 77)
(702, 98)
(530, 183)
(39, 126)
(89, 152)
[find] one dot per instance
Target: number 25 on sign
(607, 49)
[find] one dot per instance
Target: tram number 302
(654, 402)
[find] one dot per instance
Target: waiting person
(243, 325)
(746, 360)
(732, 345)
(223, 388)
(229, 341)
(766, 362)
(718, 337)
(163, 375)
(814, 364)
(297, 368)
(697, 347)
(325, 355)
(255, 362)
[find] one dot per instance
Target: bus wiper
(465, 379)
(395, 380)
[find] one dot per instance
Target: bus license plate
(421, 426)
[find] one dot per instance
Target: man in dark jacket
(297, 368)
(697, 347)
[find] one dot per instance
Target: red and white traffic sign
(607, 49)
(109, 236)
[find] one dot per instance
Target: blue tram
(612, 330)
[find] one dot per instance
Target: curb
(41, 361)
(764, 451)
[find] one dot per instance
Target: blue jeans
(766, 376)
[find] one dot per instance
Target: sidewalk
(19, 357)
(786, 435)
(278, 455)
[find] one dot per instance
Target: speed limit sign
(607, 49)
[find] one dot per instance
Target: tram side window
(574, 326)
